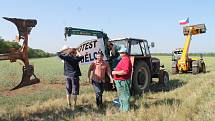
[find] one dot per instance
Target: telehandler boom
(181, 61)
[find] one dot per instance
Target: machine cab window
(136, 48)
(120, 44)
(145, 47)
(139, 47)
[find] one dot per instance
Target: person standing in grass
(122, 78)
(96, 74)
(114, 55)
(71, 58)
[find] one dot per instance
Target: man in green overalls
(122, 78)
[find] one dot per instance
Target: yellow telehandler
(181, 62)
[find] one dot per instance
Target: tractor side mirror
(152, 44)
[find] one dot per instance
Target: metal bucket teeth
(28, 71)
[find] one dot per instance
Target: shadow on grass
(173, 84)
(56, 114)
(168, 101)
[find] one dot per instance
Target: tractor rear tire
(141, 78)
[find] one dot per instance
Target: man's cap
(123, 50)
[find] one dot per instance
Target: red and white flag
(184, 21)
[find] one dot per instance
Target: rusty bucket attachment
(28, 72)
(24, 27)
(194, 29)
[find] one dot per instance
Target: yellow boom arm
(183, 64)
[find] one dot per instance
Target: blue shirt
(71, 64)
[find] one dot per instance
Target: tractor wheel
(141, 78)
(195, 70)
(195, 67)
(203, 68)
(174, 67)
(174, 70)
(164, 78)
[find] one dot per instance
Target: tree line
(190, 54)
(32, 53)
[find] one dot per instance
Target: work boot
(99, 101)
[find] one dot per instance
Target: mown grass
(190, 98)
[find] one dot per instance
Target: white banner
(90, 48)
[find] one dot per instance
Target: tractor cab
(136, 47)
(176, 54)
(145, 67)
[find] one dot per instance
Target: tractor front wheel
(164, 78)
(203, 68)
(195, 67)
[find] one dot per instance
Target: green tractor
(145, 67)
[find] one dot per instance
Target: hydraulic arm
(77, 31)
(87, 32)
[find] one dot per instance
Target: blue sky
(154, 20)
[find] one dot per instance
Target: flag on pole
(184, 21)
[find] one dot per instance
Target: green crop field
(190, 97)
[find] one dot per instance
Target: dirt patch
(25, 90)
(36, 88)
(31, 89)
(56, 86)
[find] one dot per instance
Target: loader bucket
(194, 29)
(28, 72)
(22, 24)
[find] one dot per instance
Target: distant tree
(33, 53)
(190, 54)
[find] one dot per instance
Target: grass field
(191, 97)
